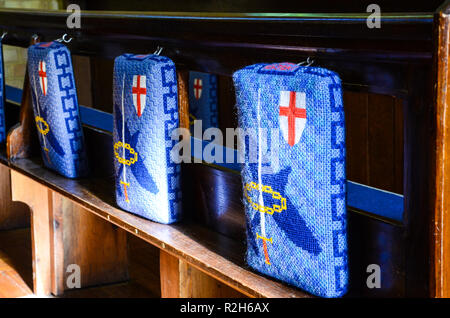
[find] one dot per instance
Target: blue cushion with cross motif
(145, 114)
(55, 106)
(203, 99)
(294, 174)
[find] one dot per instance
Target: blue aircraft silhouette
(138, 169)
(50, 137)
(289, 221)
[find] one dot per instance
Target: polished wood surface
(143, 264)
(16, 270)
(38, 198)
(12, 214)
(440, 226)
(81, 238)
(213, 253)
(183, 98)
(196, 284)
(170, 275)
(181, 280)
(16, 275)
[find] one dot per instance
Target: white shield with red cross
(139, 91)
(292, 118)
(198, 88)
(43, 77)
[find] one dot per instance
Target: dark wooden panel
(226, 103)
(222, 43)
(258, 5)
(102, 83)
(143, 264)
(372, 241)
(214, 197)
(381, 141)
(419, 174)
(398, 145)
(82, 74)
(357, 130)
(99, 148)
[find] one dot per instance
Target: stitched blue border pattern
(59, 109)
(213, 111)
(321, 199)
(150, 136)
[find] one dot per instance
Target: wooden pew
(401, 68)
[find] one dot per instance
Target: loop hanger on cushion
(309, 62)
(3, 35)
(158, 50)
(64, 39)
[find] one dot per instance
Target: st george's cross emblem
(139, 91)
(43, 77)
(292, 117)
(198, 88)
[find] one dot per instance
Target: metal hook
(64, 39)
(158, 50)
(309, 62)
(3, 35)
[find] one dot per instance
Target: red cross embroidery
(42, 75)
(197, 88)
(292, 112)
(138, 90)
(45, 44)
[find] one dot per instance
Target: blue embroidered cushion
(2, 98)
(145, 114)
(55, 106)
(203, 99)
(294, 187)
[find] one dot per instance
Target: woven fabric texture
(2, 98)
(145, 114)
(203, 99)
(55, 106)
(296, 205)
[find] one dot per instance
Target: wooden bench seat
(212, 253)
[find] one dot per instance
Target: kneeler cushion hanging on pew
(203, 100)
(55, 106)
(145, 114)
(294, 186)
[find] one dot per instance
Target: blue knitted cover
(2, 98)
(203, 99)
(55, 106)
(296, 206)
(145, 114)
